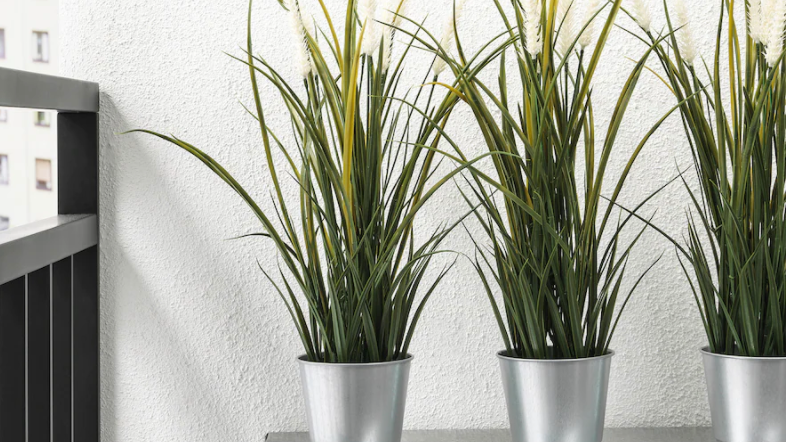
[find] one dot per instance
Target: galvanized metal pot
(559, 400)
(747, 397)
(355, 402)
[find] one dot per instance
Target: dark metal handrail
(38, 91)
(49, 298)
(33, 246)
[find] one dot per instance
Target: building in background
(28, 138)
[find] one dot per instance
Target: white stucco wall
(196, 346)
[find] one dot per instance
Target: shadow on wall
(153, 335)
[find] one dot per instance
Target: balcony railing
(49, 298)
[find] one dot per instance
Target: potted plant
(556, 251)
(734, 119)
(362, 158)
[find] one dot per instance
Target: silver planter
(355, 402)
(747, 397)
(560, 400)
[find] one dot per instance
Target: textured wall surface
(197, 347)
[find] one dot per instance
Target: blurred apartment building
(28, 138)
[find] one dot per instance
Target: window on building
(3, 115)
(4, 170)
(2, 43)
(43, 174)
(41, 46)
(5, 223)
(42, 119)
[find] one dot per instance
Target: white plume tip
(367, 12)
(641, 13)
(685, 41)
(302, 28)
(566, 13)
(588, 36)
(532, 11)
(755, 21)
(447, 41)
(774, 47)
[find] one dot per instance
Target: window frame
(7, 180)
(40, 184)
(47, 121)
(45, 49)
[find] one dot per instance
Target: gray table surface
(609, 435)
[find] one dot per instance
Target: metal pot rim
(500, 355)
(303, 360)
(706, 350)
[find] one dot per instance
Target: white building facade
(28, 138)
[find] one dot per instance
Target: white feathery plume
(589, 33)
(367, 12)
(532, 10)
(394, 11)
(767, 6)
(641, 13)
(439, 66)
(756, 21)
(387, 47)
(391, 17)
(308, 21)
(366, 9)
(776, 29)
(448, 33)
(685, 42)
(566, 13)
(301, 30)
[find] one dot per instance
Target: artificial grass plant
(352, 277)
(555, 248)
(734, 115)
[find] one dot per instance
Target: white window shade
(43, 174)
